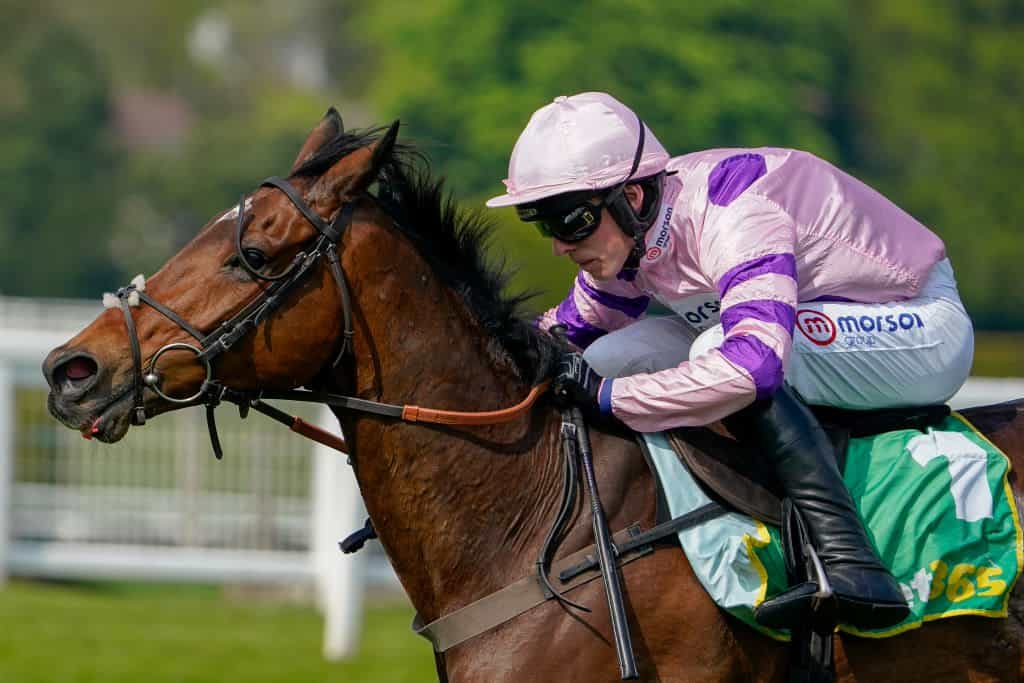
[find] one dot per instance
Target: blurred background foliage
(124, 128)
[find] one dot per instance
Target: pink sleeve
(746, 248)
(594, 308)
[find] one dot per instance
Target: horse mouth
(107, 421)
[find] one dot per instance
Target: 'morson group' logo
(664, 235)
(816, 326)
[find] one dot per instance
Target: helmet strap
(632, 222)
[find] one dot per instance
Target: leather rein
(207, 347)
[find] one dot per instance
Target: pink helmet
(581, 142)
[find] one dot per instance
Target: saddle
(732, 473)
(735, 478)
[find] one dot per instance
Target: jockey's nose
(560, 248)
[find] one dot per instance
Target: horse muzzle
(83, 395)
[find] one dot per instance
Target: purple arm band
(765, 311)
(754, 356)
(732, 176)
(634, 307)
(577, 329)
(778, 264)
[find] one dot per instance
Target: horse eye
(255, 258)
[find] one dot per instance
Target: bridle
(209, 346)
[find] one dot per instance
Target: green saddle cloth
(937, 506)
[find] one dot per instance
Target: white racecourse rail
(157, 506)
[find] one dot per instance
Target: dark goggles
(569, 221)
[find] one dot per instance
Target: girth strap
(511, 601)
(704, 513)
(572, 571)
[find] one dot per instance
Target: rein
(212, 392)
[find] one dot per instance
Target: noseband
(209, 346)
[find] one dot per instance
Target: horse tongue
(93, 430)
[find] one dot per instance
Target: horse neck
(451, 505)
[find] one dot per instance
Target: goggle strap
(639, 149)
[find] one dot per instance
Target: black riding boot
(867, 595)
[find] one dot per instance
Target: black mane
(454, 243)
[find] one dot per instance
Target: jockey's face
(603, 253)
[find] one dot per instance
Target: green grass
(129, 633)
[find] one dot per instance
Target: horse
(461, 511)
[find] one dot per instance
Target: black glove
(577, 384)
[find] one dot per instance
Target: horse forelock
(452, 240)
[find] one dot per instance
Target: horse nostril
(79, 368)
(74, 374)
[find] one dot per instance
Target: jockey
(786, 276)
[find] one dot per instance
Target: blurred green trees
(465, 77)
(56, 201)
(937, 123)
(922, 99)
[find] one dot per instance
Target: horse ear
(354, 172)
(385, 146)
(330, 126)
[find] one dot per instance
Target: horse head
(271, 247)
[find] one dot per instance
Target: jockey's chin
(599, 268)
(607, 263)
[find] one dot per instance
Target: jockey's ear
(354, 172)
(330, 126)
(635, 196)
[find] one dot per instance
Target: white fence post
(6, 461)
(340, 578)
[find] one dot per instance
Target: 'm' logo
(664, 235)
(816, 326)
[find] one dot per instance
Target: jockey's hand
(576, 383)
